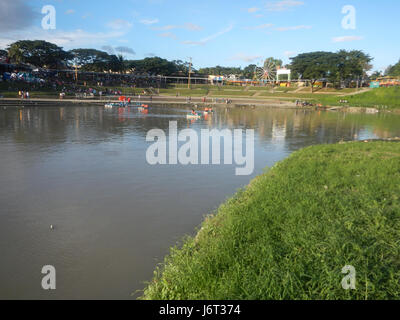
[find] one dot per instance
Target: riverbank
(382, 99)
(292, 230)
(369, 101)
(163, 100)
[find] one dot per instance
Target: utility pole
(76, 69)
(76, 74)
(190, 73)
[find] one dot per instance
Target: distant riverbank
(370, 101)
(149, 100)
(292, 230)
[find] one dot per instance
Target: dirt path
(363, 90)
(298, 89)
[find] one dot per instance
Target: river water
(83, 170)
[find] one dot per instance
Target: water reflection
(272, 125)
(83, 170)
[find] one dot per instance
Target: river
(83, 170)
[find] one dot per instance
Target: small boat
(208, 111)
(125, 105)
(193, 116)
(115, 105)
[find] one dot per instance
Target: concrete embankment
(51, 102)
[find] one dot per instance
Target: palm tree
(15, 54)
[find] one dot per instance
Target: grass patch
(184, 92)
(382, 98)
(292, 230)
(228, 94)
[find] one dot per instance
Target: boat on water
(111, 105)
(125, 105)
(208, 111)
(193, 116)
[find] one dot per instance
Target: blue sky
(228, 33)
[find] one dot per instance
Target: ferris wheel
(267, 72)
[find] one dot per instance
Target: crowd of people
(87, 84)
(23, 94)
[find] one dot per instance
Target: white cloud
(253, 10)
(293, 28)
(125, 50)
(111, 50)
(148, 22)
(119, 24)
(283, 5)
(186, 26)
(347, 39)
(167, 35)
(192, 27)
(164, 28)
(246, 58)
(209, 38)
(260, 27)
(108, 49)
(66, 39)
(290, 54)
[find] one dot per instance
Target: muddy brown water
(83, 170)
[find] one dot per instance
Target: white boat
(193, 116)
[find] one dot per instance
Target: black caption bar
(176, 310)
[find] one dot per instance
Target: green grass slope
(292, 230)
(382, 98)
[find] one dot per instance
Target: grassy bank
(292, 230)
(381, 98)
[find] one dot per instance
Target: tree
(117, 63)
(248, 72)
(4, 56)
(221, 71)
(182, 66)
(377, 74)
(314, 66)
(155, 66)
(394, 70)
(38, 53)
(15, 54)
(3, 53)
(276, 62)
(352, 65)
(335, 67)
(89, 59)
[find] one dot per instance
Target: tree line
(43, 54)
(336, 67)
